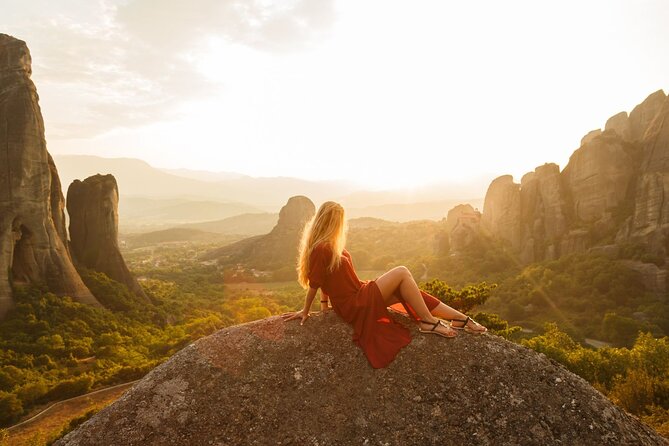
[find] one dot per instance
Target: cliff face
(33, 245)
(272, 382)
(92, 205)
(611, 191)
(278, 249)
(501, 210)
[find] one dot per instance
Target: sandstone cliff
(278, 249)
(611, 191)
(272, 382)
(92, 205)
(462, 226)
(33, 245)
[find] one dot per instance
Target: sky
(384, 93)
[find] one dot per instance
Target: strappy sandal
(465, 327)
(433, 330)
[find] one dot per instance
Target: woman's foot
(469, 325)
(438, 327)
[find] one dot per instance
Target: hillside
(272, 382)
(244, 224)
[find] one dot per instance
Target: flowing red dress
(361, 304)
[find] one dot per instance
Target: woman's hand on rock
(296, 315)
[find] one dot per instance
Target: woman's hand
(296, 315)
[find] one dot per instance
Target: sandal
(466, 328)
(433, 330)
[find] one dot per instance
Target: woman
(324, 263)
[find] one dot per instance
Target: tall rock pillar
(33, 247)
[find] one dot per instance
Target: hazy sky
(385, 93)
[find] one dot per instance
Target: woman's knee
(403, 270)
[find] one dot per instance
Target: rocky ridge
(276, 382)
(610, 193)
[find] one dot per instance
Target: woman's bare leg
(442, 310)
(399, 280)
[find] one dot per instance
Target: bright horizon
(374, 92)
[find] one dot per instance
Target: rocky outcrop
(542, 219)
(598, 176)
(33, 245)
(462, 225)
(590, 136)
(501, 210)
(272, 251)
(643, 114)
(649, 223)
(612, 190)
(92, 206)
(275, 382)
(620, 124)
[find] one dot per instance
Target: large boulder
(92, 205)
(275, 382)
(33, 241)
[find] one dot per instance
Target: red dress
(361, 304)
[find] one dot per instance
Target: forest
(52, 348)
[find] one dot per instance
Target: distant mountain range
(153, 199)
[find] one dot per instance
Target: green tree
(10, 408)
(464, 299)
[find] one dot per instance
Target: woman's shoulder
(322, 247)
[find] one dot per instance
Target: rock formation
(463, 226)
(598, 176)
(92, 205)
(33, 245)
(542, 219)
(612, 191)
(276, 382)
(275, 250)
(501, 210)
(644, 114)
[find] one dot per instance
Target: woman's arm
(304, 314)
(309, 299)
(324, 301)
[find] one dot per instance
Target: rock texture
(274, 382)
(33, 245)
(542, 217)
(92, 205)
(612, 191)
(275, 250)
(501, 210)
(598, 176)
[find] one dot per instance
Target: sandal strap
(462, 320)
(434, 325)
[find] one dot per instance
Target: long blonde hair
(328, 225)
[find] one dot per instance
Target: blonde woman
(324, 263)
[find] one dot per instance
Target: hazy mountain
(174, 235)
(179, 211)
(368, 222)
(245, 224)
(204, 175)
(402, 212)
(138, 178)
